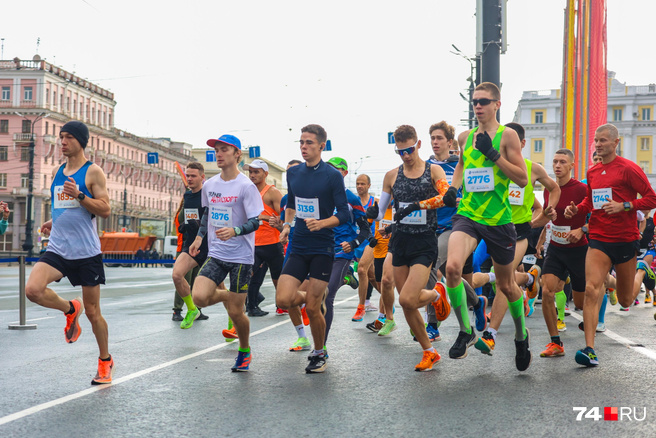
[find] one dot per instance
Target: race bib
(479, 180)
(515, 194)
(601, 197)
(307, 208)
(220, 216)
(530, 259)
(417, 217)
(559, 234)
(191, 214)
(62, 200)
(385, 223)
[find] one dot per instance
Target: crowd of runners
(441, 232)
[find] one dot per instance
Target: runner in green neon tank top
(486, 168)
(526, 213)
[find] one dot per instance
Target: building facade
(36, 99)
(630, 108)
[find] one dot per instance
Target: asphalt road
(173, 382)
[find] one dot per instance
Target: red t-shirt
(623, 180)
(574, 191)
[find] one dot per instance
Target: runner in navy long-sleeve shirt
(315, 191)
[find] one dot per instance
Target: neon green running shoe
(301, 344)
(189, 318)
(388, 328)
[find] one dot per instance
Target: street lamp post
(472, 83)
(28, 245)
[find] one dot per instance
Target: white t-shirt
(231, 204)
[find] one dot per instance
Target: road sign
(253, 151)
(153, 158)
(390, 138)
(329, 145)
(210, 156)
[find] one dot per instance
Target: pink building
(36, 100)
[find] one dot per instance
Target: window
(538, 116)
(25, 153)
(26, 127)
(25, 178)
(537, 146)
(646, 113)
(617, 114)
(4, 126)
(644, 165)
(3, 180)
(4, 153)
(27, 93)
(645, 143)
(6, 93)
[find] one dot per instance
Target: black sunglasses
(483, 102)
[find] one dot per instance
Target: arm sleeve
(435, 202)
(250, 226)
(3, 226)
(202, 229)
(383, 203)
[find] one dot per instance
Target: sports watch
(627, 206)
(81, 197)
(237, 231)
(584, 228)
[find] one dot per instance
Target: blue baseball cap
(228, 139)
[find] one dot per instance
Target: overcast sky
(262, 69)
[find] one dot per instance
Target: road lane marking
(153, 302)
(35, 319)
(51, 404)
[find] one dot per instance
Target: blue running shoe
(531, 306)
(586, 357)
(433, 333)
(242, 362)
(479, 314)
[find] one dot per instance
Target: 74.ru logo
(613, 413)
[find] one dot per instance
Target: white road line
(153, 302)
(43, 406)
(651, 354)
(35, 319)
(117, 303)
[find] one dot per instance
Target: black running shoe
(463, 342)
(523, 355)
(177, 315)
(202, 316)
(317, 364)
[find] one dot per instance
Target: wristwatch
(627, 206)
(81, 197)
(237, 231)
(584, 228)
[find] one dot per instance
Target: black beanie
(78, 130)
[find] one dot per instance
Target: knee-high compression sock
(189, 302)
(459, 304)
(517, 312)
(561, 300)
(602, 310)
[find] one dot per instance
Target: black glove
(450, 196)
(484, 144)
(373, 211)
(405, 211)
(181, 228)
(373, 242)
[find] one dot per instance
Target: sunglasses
(483, 102)
(406, 151)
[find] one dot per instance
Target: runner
(414, 245)
(613, 186)
(232, 206)
(315, 190)
(268, 249)
(4, 208)
(185, 264)
(79, 194)
(487, 165)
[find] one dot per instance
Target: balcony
(22, 137)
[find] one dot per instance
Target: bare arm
(97, 184)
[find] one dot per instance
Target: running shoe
(242, 362)
(387, 328)
(376, 325)
(350, 278)
(649, 280)
(485, 344)
(463, 342)
(479, 314)
(317, 364)
(306, 318)
(553, 350)
(441, 306)
(189, 318)
(281, 312)
(567, 311)
(561, 325)
(359, 313)
(177, 315)
(427, 361)
(202, 316)
(647, 298)
(370, 308)
(230, 334)
(105, 372)
(612, 296)
(636, 302)
(301, 344)
(531, 306)
(586, 357)
(624, 309)
(433, 333)
(601, 327)
(523, 355)
(654, 300)
(534, 289)
(73, 330)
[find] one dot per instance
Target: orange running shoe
(230, 333)
(306, 319)
(359, 313)
(553, 350)
(105, 372)
(427, 361)
(534, 289)
(441, 306)
(73, 329)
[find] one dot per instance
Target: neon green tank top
(521, 199)
(485, 186)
